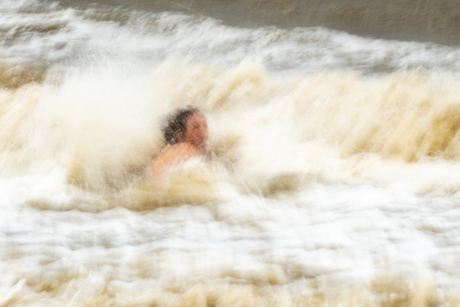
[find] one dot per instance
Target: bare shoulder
(186, 150)
(178, 152)
(171, 155)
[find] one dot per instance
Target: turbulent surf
(334, 153)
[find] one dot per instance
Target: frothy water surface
(333, 174)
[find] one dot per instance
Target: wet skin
(196, 133)
(191, 144)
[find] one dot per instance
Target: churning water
(334, 174)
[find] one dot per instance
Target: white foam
(79, 37)
(296, 213)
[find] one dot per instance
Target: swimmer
(186, 137)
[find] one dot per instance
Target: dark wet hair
(177, 123)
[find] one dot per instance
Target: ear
(180, 136)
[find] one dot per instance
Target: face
(196, 132)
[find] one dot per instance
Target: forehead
(196, 118)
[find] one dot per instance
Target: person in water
(186, 137)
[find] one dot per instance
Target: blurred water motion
(333, 174)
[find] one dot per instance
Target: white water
(326, 186)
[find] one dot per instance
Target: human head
(186, 125)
